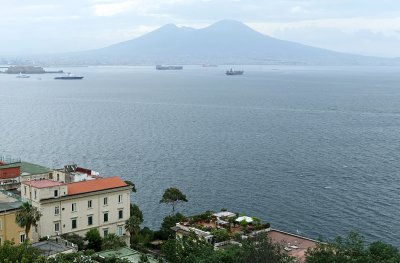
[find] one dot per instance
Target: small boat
(69, 76)
(234, 72)
(210, 65)
(161, 67)
(22, 76)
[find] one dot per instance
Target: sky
(367, 27)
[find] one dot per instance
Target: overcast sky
(370, 27)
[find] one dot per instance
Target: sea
(312, 150)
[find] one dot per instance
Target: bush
(169, 221)
(112, 241)
(75, 239)
(94, 239)
(220, 235)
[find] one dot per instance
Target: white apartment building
(101, 203)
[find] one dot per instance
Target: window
(35, 194)
(73, 207)
(24, 190)
(120, 214)
(105, 217)
(89, 204)
(58, 177)
(51, 176)
(90, 220)
(55, 193)
(119, 198)
(57, 210)
(105, 201)
(105, 232)
(120, 230)
(57, 227)
(22, 238)
(1, 240)
(74, 224)
(1, 224)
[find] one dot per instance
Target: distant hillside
(225, 42)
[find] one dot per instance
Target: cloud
(121, 20)
(115, 7)
(111, 9)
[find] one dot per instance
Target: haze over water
(305, 148)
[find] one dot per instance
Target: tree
(130, 183)
(112, 241)
(173, 196)
(132, 225)
(75, 239)
(220, 235)
(78, 257)
(143, 259)
(193, 249)
(261, 249)
(94, 239)
(26, 217)
(168, 222)
(145, 236)
(352, 249)
(135, 210)
(188, 249)
(381, 252)
(9, 252)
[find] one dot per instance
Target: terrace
(294, 245)
(221, 227)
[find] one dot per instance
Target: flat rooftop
(295, 245)
(50, 247)
(27, 168)
(9, 206)
(42, 183)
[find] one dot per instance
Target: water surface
(305, 148)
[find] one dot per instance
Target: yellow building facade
(9, 230)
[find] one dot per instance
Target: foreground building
(77, 207)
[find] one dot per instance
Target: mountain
(225, 42)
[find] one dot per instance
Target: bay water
(312, 150)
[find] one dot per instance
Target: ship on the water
(234, 72)
(22, 76)
(161, 67)
(210, 65)
(69, 76)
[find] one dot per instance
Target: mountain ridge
(223, 42)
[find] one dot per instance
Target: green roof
(125, 253)
(29, 168)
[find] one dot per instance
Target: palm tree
(26, 217)
(132, 225)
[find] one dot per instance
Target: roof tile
(95, 185)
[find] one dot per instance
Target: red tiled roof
(42, 183)
(95, 185)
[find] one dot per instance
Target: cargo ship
(161, 67)
(234, 72)
(69, 76)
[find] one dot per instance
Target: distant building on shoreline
(28, 70)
